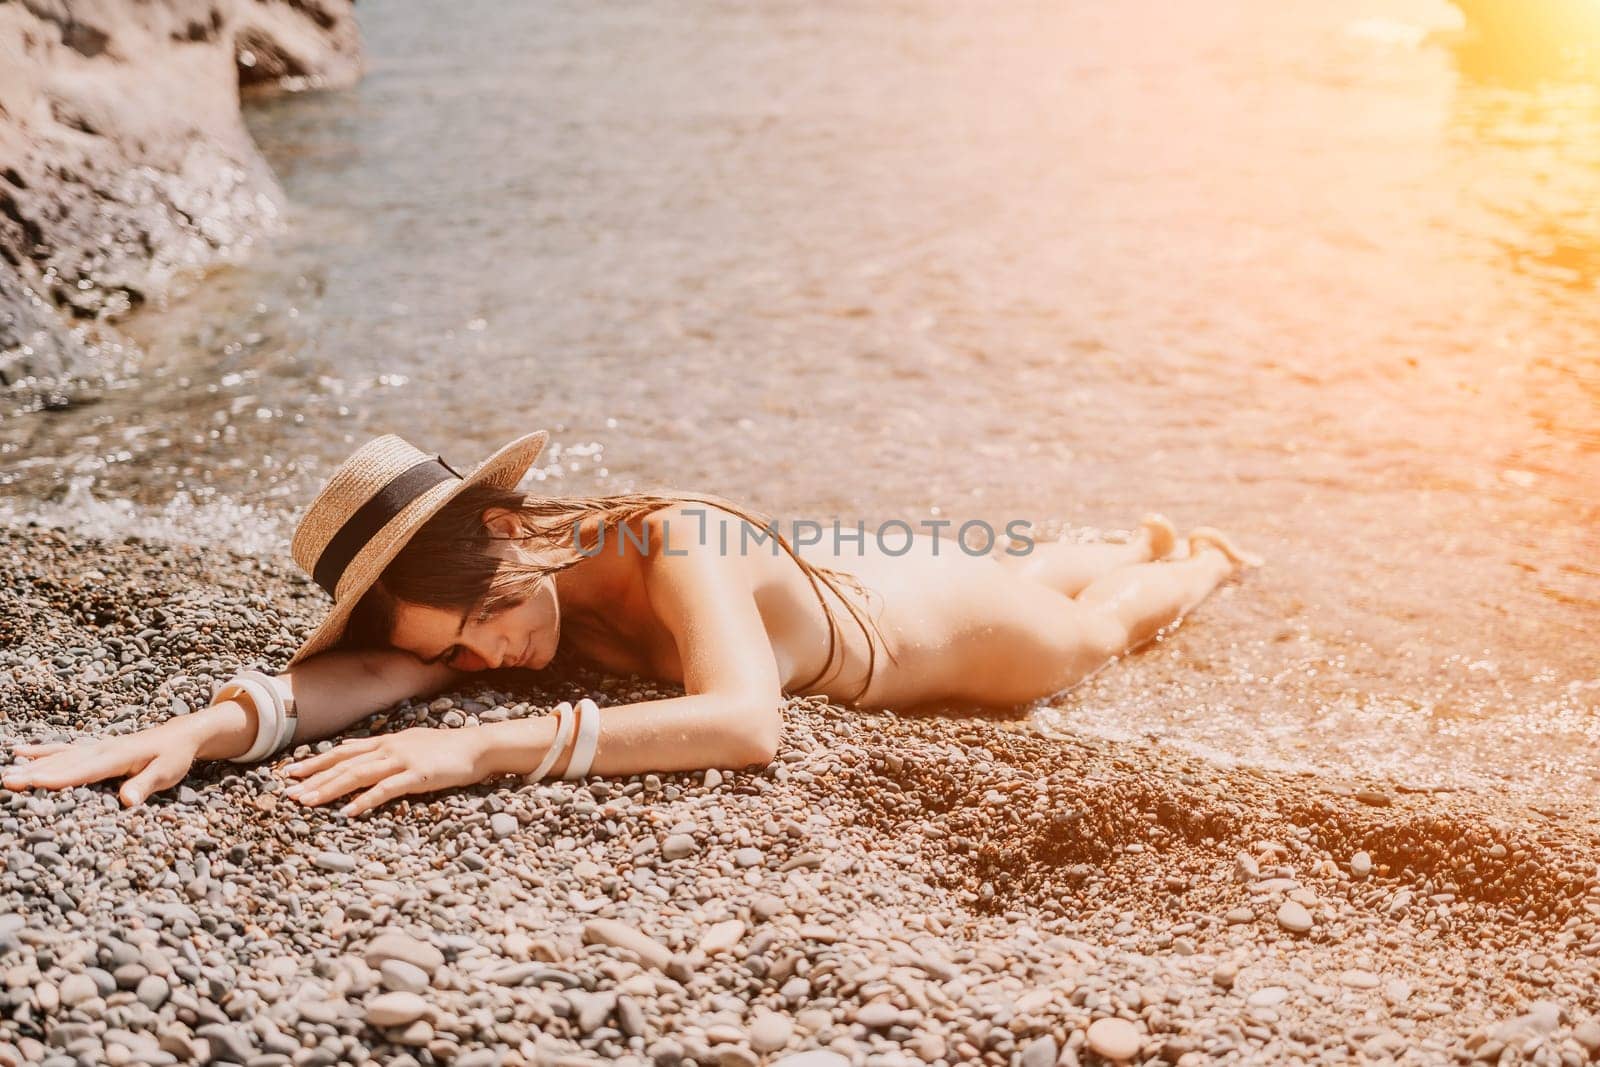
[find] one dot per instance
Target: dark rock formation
(124, 159)
(297, 44)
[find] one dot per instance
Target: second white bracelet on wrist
(588, 739)
(582, 723)
(273, 702)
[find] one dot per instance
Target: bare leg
(1070, 568)
(1042, 643)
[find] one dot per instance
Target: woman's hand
(152, 760)
(418, 760)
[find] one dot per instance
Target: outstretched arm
(729, 716)
(331, 691)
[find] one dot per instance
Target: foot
(1210, 536)
(1159, 534)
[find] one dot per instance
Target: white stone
(1115, 1039)
(1293, 917)
(395, 1009)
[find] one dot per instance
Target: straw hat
(372, 505)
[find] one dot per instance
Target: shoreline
(125, 164)
(896, 889)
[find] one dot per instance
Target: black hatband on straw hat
(374, 515)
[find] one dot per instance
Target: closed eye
(459, 658)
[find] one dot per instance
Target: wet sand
(896, 890)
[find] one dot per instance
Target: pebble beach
(889, 891)
(1322, 276)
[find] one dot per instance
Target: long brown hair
(449, 563)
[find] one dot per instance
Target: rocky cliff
(124, 159)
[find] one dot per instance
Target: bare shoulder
(698, 531)
(682, 520)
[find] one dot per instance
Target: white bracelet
(291, 718)
(268, 715)
(287, 716)
(276, 715)
(588, 738)
(286, 726)
(564, 717)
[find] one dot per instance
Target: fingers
(163, 772)
(17, 775)
(314, 782)
(334, 755)
(337, 781)
(395, 785)
(33, 751)
(77, 764)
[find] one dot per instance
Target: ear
(502, 522)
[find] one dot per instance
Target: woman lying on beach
(435, 576)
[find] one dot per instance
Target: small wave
(220, 521)
(1099, 724)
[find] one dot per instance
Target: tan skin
(737, 629)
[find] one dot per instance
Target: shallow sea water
(1316, 274)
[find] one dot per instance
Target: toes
(1210, 535)
(1162, 534)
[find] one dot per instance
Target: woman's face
(524, 635)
